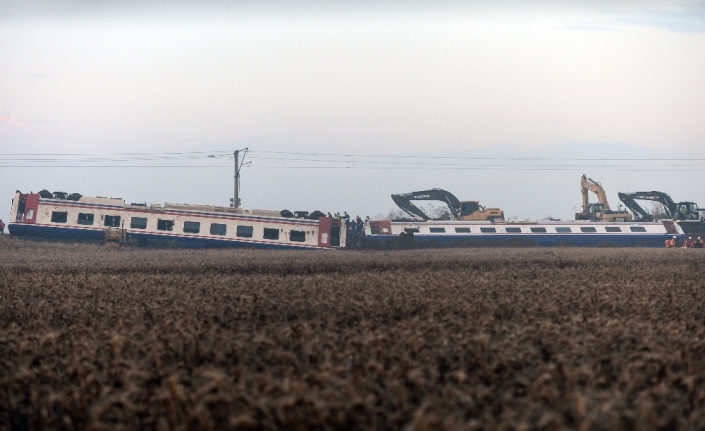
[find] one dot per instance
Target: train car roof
(120, 202)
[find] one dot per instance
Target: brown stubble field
(100, 337)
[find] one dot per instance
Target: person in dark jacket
(360, 226)
(2, 227)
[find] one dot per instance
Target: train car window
(488, 230)
(563, 230)
(192, 227)
(244, 231)
(637, 229)
(438, 230)
(138, 223)
(613, 229)
(538, 229)
(111, 221)
(165, 224)
(271, 233)
(588, 229)
(513, 230)
(462, 230)
(59, 217)
(297, 235)
(86, 219)
(218, 229)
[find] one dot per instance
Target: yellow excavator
(601, 210)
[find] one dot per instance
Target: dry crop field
(99, 337)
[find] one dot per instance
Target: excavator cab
(594, 212)
(469, 207)
(687, 211)
(596, 209)
(472, 210)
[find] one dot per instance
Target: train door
(328, 232)
(324, 231)
(27, 208)
(335, 232)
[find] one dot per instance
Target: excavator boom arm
(584, 192)
(403, 201)
(640, 213)
(596, 188)
(654, 196)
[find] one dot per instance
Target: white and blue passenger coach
(579, 233)
(62, 216)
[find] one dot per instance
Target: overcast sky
(553, 80)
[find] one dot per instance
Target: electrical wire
(453, 164)
(118, 166)
(469, 158)
(311, 160)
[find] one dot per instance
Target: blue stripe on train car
(184, 244)
(78, 234)
(51, 232)
(213, 243)
(628, 240)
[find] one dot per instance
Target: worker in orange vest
(670, 242)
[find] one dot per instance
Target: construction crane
(465, 210)
(677, 211)
(600, 211)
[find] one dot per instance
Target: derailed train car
(577, 233)
(62, 216)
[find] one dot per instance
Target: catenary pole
(237, 178)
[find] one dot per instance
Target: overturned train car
(577, 233)
(76, 217)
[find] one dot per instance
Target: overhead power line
(228, 154)
(118, 166)
(468, 158)
(313, 160)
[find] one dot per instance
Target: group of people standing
(694, 243)
(688, 243)
(355, 227)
